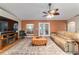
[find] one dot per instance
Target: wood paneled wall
(10, 22)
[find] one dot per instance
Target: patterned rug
(24, 47)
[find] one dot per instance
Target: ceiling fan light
(52, 11)
(52, 16)
(48, 16)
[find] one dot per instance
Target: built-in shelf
(7, 39)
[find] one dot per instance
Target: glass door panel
(41, 29)
(44, 29)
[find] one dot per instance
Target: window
(29, 28)
(71, 26)
(3, 26)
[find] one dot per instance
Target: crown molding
(9, 12)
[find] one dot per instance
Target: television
(3, 26)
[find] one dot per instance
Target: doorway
(44, 29)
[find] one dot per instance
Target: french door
(44, 29)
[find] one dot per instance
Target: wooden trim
(8, 46)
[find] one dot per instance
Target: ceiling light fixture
(50, 16)
(51, 12)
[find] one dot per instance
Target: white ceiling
(34, 10)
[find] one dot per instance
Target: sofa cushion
(66, 34)
(69, 34)
(67, 40)
(76, 37)
(64, 44)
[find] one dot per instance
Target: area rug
(24, 47)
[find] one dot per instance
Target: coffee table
(39, 40)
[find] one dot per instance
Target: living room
(39, 29)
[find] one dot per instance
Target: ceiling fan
(52, 12)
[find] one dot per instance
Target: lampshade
(52, 11)
(50, 16)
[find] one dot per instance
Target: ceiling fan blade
(44, 15)
(56, 13)
(45, 12)
(52, 11)
(56, 9)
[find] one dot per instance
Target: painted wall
(55, 25)
(76, 20)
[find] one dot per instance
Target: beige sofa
(66, 40)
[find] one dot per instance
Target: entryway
(44, 29)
